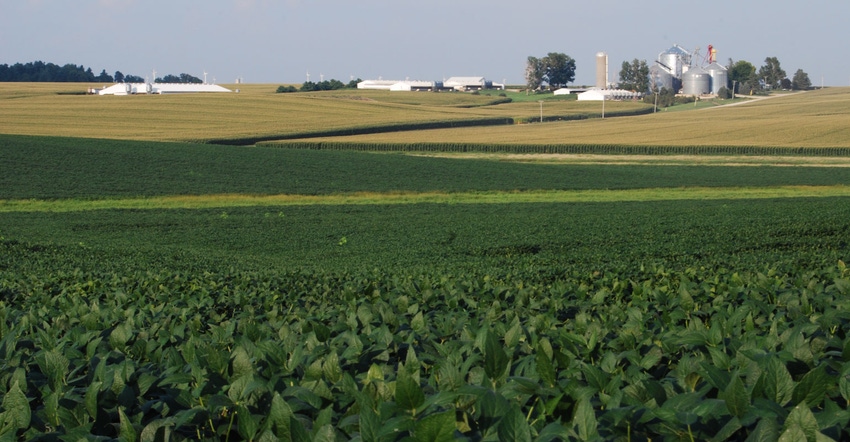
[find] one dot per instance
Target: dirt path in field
(655, 160)
(747, 99)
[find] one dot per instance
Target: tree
(534, 73)
(119, 77)
(801, 81)
(634, 76)
(742, 74)
(353, 83)
(771, 73)
(104, 77)
(560, 69)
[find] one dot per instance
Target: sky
(281, 41)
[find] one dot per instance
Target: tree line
(556, 70)
(742, 75)
(325, 85)
(39, 71)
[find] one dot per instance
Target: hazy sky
(268, 41)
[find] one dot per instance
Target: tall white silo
(601, 70)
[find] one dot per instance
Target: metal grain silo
(719, 77)
(674, 59)
(659, 78)
(696, 82)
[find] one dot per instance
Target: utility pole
(541, 110)
(603, 105)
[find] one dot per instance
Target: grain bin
(674, 59)
(719, 77)
(696, 82)
(659, 78)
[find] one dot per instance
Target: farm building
(607, 94)
(470, 84)
(158, 88)
(397, 85)
(568, 91)
(453, 83)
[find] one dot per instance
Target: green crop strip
(366, 198)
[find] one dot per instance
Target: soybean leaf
(513, 427)
(553, 432)
(126, 431)
(279, 417)
(793, 434)
(241, 362)
(408, 392)
(493, 408)
(155, 431)
(544, 367)
(495, 359)
(584, 419)
(776, 383)
(727, 430)
(325, 433)
(802, 419)
(767, 430)
(737, 397)
(246, 424)
(812, 388)
(438, 427)
(17, 407)
(370, 425)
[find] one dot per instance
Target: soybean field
(181, 291)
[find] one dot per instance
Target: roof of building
(607, 94)
(464, 81)
(160, 88)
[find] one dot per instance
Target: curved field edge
(372, 198)
(804, 121)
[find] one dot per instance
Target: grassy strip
(593, 149)
(362, 130)
(371, 198)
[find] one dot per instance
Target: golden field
(57, 109)
(809, 119)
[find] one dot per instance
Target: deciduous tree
(743, 74)
(560, 69)
(534, 73)
(634, 76)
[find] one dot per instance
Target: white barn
(607, 94)
(159, 88)
(470, 84)
(397, 85)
